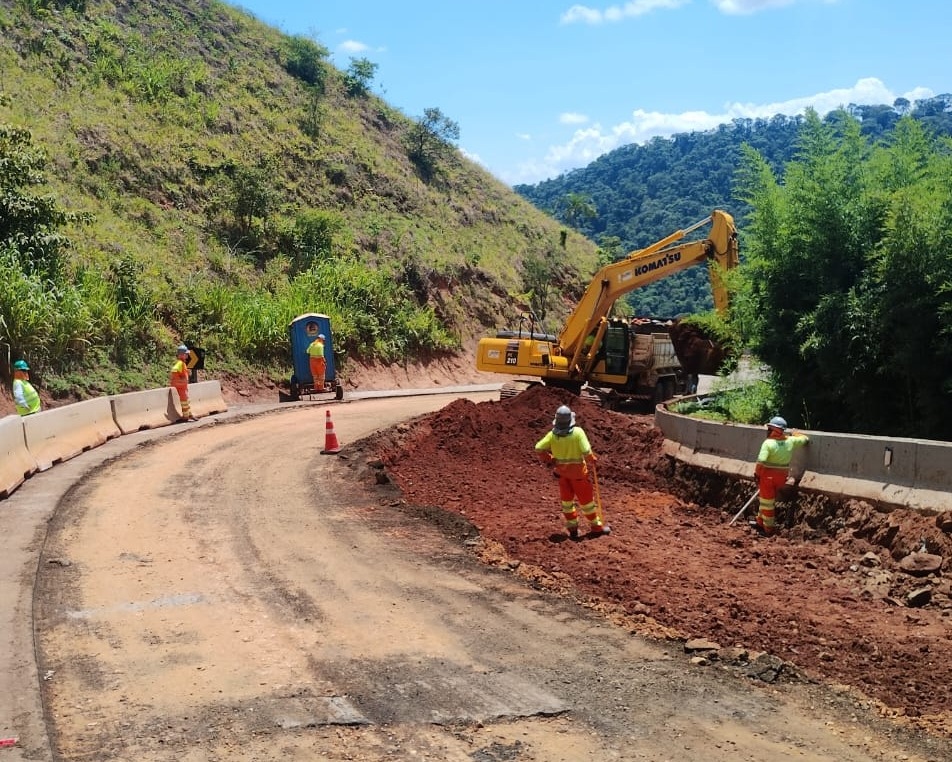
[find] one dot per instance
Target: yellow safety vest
(568, 451)
(30, 396)
(777, 453)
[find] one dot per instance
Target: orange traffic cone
(331, 445)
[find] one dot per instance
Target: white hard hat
(182, 348)
(564, 420)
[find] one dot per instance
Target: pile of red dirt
(697, 352)
(823, 596)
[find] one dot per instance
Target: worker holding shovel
(772, 469)
(567, 446)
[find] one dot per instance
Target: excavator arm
(644, 266)
(568, 360)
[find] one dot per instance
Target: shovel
(743, 510)
(598, 497)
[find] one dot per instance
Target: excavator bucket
(698, 353)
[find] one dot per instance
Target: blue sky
(539, 87)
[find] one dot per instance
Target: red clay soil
(827, 596)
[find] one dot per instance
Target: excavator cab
(615, 348)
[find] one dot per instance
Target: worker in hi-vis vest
(772, 469)
(566, 445)
(25, 397)
(318, 363)
(178, 380)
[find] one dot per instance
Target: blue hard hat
(777, 422)
(20, 365)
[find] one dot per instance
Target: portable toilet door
(303, 330)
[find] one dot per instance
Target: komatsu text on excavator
(607, 354)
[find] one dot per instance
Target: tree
(314, 113)
(42, 314)
(358, 77)
(430, 140)
(304, 59)
(609, 250)
(576, 208)
(540, 271)
(30, 224)
(312, 237)
(847, 277)
(252, 196)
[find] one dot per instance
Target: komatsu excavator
(610, 356)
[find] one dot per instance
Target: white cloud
(570, 117)
(472, 156)
(582, 14)
(747, 7)
(353, 46)
(523, 136)
(589, 143)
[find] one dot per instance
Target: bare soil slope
(829, 596)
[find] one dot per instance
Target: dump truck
(613, 358)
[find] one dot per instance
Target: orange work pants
(769, 480)
(183, 398)
(318, 370)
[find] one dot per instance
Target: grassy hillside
(234, 179)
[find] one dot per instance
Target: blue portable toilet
(303, 330)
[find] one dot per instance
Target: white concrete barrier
(912, 473)
(64, 432)
(16, 462)
(204, 398)
(149, 409)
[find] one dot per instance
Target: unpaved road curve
(229, 593)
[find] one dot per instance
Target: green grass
(148, 113)
(752, 403)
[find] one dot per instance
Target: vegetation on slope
(207, 178)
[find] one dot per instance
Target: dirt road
(230, 593)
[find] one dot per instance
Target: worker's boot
(573, 533)
(758, 526)
(599, 531)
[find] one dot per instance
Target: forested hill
(637, 194)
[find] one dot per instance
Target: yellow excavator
(614, 358)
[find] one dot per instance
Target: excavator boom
(581, 354)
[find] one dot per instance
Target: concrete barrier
(16, 462)
(64, 432)
(149, 409)
(38, 442)
(678, 428)
(933, 464)
(204, 398)
(888, 471)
